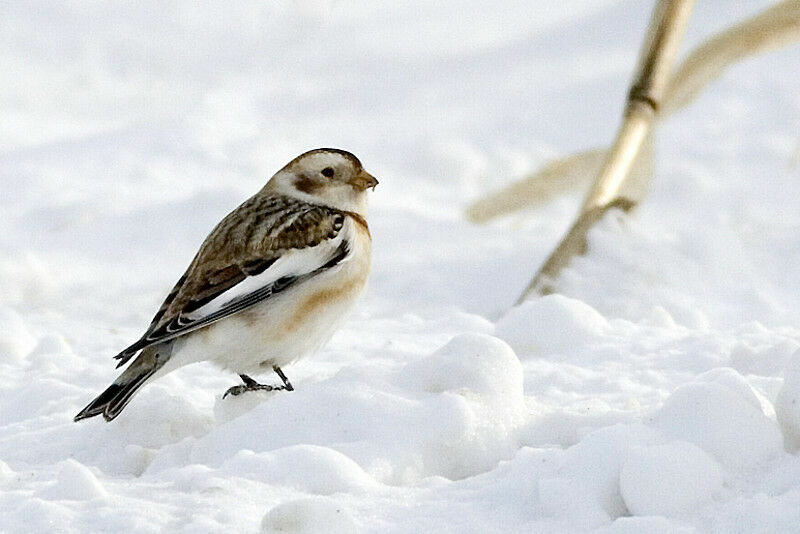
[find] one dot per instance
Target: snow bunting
(269, 284)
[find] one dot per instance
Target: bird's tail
(112, 401)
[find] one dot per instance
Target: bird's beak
(364, 180)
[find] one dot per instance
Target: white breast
(291, 324)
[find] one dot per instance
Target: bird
(270, 284)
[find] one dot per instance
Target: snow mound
(669, 479)
(151, 421)
(74, 482)
(471, 365)
(590, 473)
(231, 407)
(453, 413)
(312, 469)
(310, 516)
(763, 360)
(550, 324)
(721, 414)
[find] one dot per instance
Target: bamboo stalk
(558, 176)
(773, 28)
(646, 93)
(647, 90)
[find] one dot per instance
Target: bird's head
(325, 176)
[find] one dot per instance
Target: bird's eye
(327, 172)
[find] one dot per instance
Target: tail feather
(113, 400)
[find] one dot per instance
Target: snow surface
(649, 396)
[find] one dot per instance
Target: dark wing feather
(245, 243)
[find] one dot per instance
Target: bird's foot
(286, 384)
(252, 385)
(238, 390)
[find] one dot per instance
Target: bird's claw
(243, 388)
(252, 385)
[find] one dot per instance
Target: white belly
(285, 327)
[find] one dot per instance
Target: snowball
(787, 404)
(669, 479)
(310, 516)
(722, 415)
(74, 482)
(551, 324)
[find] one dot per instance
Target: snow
(657, 392)
(73, 482)
(787, 403)
(315, 514)
(650, 476)
(725, 421)
(553, 324)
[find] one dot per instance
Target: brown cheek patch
(306, 185)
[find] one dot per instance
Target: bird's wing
(260, 249)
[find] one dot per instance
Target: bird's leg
(249, 385)
(252, 385)
(286, 384)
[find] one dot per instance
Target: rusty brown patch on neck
(306, 185)
(359, 219)
(317, 302)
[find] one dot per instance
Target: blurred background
(138, 125)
